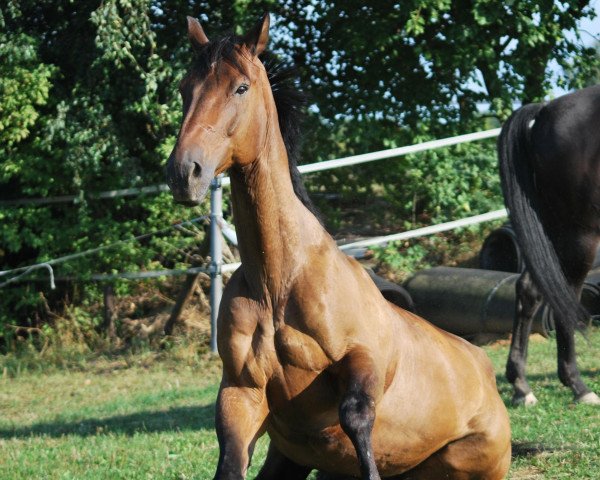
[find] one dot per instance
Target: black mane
(290, 101)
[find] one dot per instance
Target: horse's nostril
(197, 171)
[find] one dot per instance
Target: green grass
(154, 420)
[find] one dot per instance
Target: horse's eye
(243, 88)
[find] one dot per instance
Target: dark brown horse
(340, 379)
(550, 168)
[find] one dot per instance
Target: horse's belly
(329, 449)
(325, 449)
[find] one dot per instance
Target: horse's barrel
(500, 251)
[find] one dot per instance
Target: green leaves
(88, 102)
(24, 87)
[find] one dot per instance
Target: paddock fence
(219, 228)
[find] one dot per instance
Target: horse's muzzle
(187, 178)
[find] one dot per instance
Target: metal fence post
(216, 255)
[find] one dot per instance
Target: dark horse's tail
(522, 201)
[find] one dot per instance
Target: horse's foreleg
(527, 304)
(240, 418)
(357, 409)
(277, 466)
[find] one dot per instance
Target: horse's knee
(357, 413)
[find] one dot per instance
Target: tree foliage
(432, 62)
(392, 73)
(89, 103)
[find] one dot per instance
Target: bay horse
(549, 158)
(341, 379)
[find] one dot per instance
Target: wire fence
(310, 168)
(20, 272)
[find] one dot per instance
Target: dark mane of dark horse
(290, 101)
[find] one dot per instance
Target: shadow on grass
(172, 419)
(532, 449)
(549, 377)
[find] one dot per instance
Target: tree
(391, 73)
(89, 102)
(420, 60)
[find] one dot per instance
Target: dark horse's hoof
(589, 398)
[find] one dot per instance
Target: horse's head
(224, 112)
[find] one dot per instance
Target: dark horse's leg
(357, 409)
(579, 252)
(568, 373)
(278, 467)
(527, 304)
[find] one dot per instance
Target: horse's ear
(196, 33)
(256, 39)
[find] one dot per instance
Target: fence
(217, 268)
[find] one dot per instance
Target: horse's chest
(297, 349)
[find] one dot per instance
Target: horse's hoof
(589, 399)
(525, 400)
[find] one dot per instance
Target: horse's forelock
(216, 52)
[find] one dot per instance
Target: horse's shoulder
(240, 311)
(243, 332)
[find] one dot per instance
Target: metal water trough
(501, 252)
(470, 302)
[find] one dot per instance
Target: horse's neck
(271, 223)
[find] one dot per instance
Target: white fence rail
(217, 268)
(217, 261)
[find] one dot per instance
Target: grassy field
(145, 418)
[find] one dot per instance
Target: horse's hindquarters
(472, 457)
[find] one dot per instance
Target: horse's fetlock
(567, 374)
